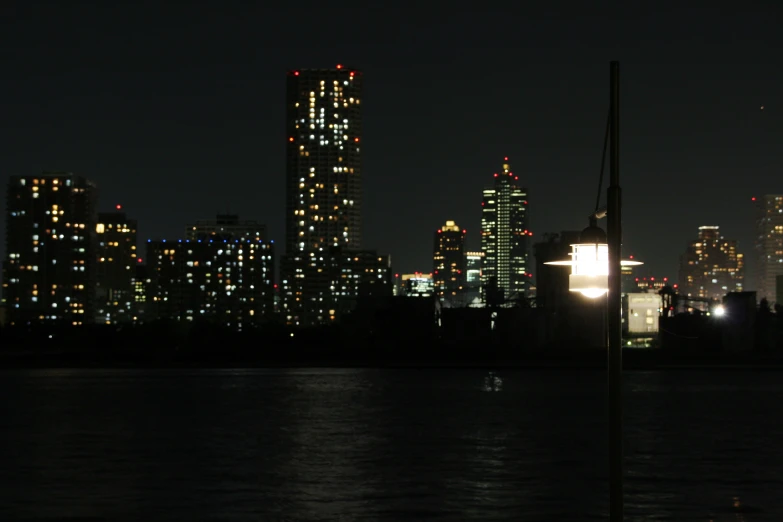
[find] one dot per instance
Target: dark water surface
(387, 445)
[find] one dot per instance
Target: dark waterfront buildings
(504, 237)
(48, 273)
(449, 270)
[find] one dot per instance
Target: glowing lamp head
(590, 264)
(719, 311)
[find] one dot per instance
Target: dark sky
(177, 112)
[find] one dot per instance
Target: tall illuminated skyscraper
(448, 271)
(504, 237)
(769, 244)
(49, 271)
(323, 185)
(323, 171)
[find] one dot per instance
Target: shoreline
(694, 364)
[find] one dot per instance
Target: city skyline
(689, 122)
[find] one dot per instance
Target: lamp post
(596, 270)
(615, 365)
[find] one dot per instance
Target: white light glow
(590, 269)
(592, 293)
(719, 311)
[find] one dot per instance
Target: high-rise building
(448, 256)
(323, 170)
(711, 266)
(115, 268)
(225, 282)
(226, 226)
(323, 187)
(48, 273)
(504, 237)
(769, 244)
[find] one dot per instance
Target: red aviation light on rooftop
(139, 260)
(339, 66)
(753, 199)
(396, 275)
(296, 73)
(291, 138)
(119, 207)
(439, 231)
(516, 178)
(496, 174)
(505, 158)
(464, 231)
(665, 278)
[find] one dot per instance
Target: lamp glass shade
(589, 269)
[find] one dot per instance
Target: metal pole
(615, 363)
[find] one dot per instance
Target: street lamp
(596, 270)
(590, 261)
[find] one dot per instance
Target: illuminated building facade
(711, 266)
(504, 236)
(326, 286)
(225, 226)
(141, 288)
(115, 268)
(323, 170)
(473, 262)
(323, 186)
(225, 282)
(449, 263)
(769, 245)
(48, 273)
(644, 309)
(417, 285)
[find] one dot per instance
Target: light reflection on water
(384, 445)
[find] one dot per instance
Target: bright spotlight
(719, 311)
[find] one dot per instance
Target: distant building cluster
(67, 263)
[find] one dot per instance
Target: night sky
(178, 112)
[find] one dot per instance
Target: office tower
(473, 262)
(48, 273)
(225, 226)
(769, 244)
(323, 187)
(711, 266)
(448, 271)
(504, 238)
(115, 267)
(224, 282)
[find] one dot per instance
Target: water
(381, 445)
